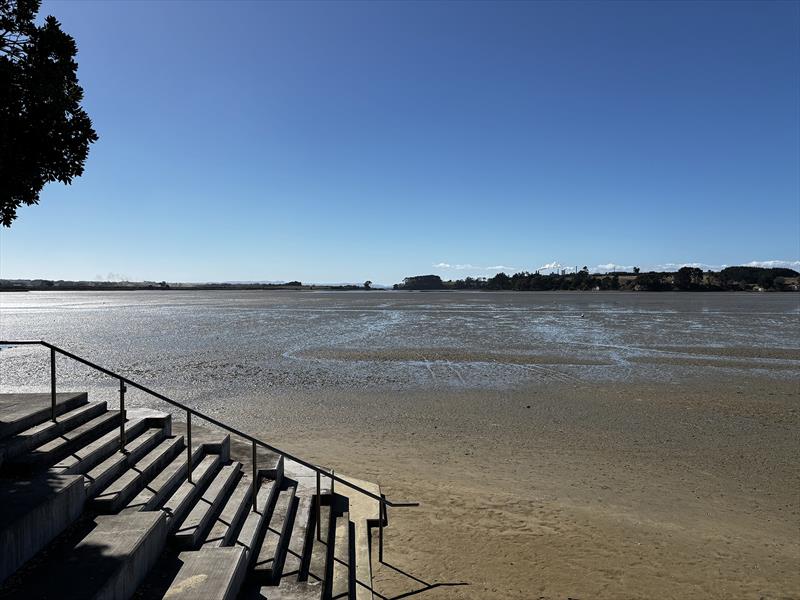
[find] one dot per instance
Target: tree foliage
(421, 282)
(44, 132)
(686, 278)
(753, 274)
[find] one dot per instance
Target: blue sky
(348, 141)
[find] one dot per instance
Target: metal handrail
(124, 381)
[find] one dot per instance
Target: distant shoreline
(685, 279)
(323, 288)
(171, 287)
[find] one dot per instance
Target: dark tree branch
(46, 133)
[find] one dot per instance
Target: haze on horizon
(336, 142)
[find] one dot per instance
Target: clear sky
(348, 141)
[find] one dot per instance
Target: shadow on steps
(102, 557)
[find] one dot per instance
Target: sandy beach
(586, 491)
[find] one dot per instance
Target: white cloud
(552, 266)
(694, 265)
(772, 264)
(614, 267)
(469, 267)
(111, 277)
(673, 266)
(611, 266)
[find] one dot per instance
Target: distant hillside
(684, 279)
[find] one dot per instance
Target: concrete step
(44, 432)
(193, 528)
(292, 585)
(33, 512)
(112, 467)
(267, 567)
(165, 483)
(364, 514)
(303, 576)
(229, 520)
(318, 571)
(249, 535)
(83, 459)
(209, 574)
(343, 579)
(109, 562)
(51, 452)
(181, 501)
(19, 412)
(122, 489)
(290, 590)
(299, 549)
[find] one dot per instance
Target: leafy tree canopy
(753, 274)
(422, 282)
(44, 132)
(686, 278)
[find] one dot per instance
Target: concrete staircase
(81, 517)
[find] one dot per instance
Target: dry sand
(582, 491)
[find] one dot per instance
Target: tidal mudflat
(584, 445)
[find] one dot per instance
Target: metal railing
(383, 502)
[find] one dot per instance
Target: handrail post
(255, 479)
(188, 445)
(122, 440)
(53, 384)
(319, 509)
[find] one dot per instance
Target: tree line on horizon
(684, 279)
(23, 285)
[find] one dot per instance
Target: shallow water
(240, 343)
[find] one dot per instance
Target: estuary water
(246, 341)
(231, 352)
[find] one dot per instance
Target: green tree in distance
(501, 281)
(422, 282)
(44, 132)
(688, 277)
(766, 280)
